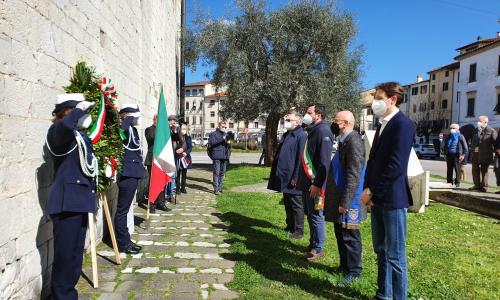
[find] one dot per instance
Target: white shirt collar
(389, 117)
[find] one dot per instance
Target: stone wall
(133, 42)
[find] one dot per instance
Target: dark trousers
(349, 245)
(479, 172)
(180, 180)
(127, 187)
(262, 158)
(69, 229)
(161, 195)
(294, 208)
(219, 172)
(452, 164)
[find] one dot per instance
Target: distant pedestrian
(482, 147)
(343, 192)
(496, 167)
(455, 151)
(387, 190)
(218, 150)
(316, 159)
(263, 142)
(174, 137)
(285, 174)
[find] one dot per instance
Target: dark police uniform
(132, 171)
(72, 196)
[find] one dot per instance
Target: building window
(425, 106)
(414, 108)
(188, 92)
(369, 112)
(255, 124)
(433, 88)
(444, 104)
(212, 125)
(432, 105)
(201, 120)
(212, 113)
(200, 92)
(212, 102)
(405, 98)
(433, 76)
(498, 66)
(423, 89)
(472, 72)
(458, 77)
(471, 102)
(231, 125)
(194, 120)
(446, 74)
(221, 102)
(187, 105)
(497, 107)
(414, 91)
(194, 92)
(445, 86)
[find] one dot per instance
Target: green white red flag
(163, 167)
(96, 129)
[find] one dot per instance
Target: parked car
(425, 151)
(196, 142)
(204, 143)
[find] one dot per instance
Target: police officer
(73, 192)
(132, 171)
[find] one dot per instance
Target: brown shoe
(315, 255)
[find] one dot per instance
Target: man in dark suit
(315, 161)
(343, 192)
(285, 172)
(483, 148)
(149, 133)
(218, 148)
(386, 189)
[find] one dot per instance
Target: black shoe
(162, 206)
(296, 235)
(184, 191)
(152, 208)
(348, 279)
(136, 246)
(130, 249)
(483, 190)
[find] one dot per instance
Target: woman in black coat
(184, 158)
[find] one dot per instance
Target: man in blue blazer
(386, 189)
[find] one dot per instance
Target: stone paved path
(181, 256)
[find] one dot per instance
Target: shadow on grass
(279, 260)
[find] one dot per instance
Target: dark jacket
(352, 160)
(71, 191)
(320, 144)
(462, 146)
(132, 158)
(150, 139)
(188, 148)
(484, 141)
(387, 167)
(286, 164)
(218, 146)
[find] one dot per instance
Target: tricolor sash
(310, 171)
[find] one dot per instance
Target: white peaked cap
(60, 99)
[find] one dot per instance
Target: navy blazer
(132, 160)
(387, 168)
(286, 163)
(218, 146)
(71, 190)
(320, 145)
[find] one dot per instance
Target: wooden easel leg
(147, 211)
(95, 276)
(111, 230)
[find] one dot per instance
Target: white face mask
(379, 107)
(480, 125)
(308, 120)
(453, 130)
(84, 122)
(287, 125)
(136, 121)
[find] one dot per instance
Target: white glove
(84, 105)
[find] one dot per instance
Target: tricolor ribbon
(307, 165)
(96, 129)
(108, 90)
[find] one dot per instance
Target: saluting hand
(84, 105)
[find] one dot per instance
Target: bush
(252, 145)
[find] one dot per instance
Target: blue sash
(350, 219)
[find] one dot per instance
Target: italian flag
(163, 154)
(96, 129)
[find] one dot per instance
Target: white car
(425, 150)
(204, 143)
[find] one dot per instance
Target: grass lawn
(452, 254)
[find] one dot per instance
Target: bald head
(345, 120)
